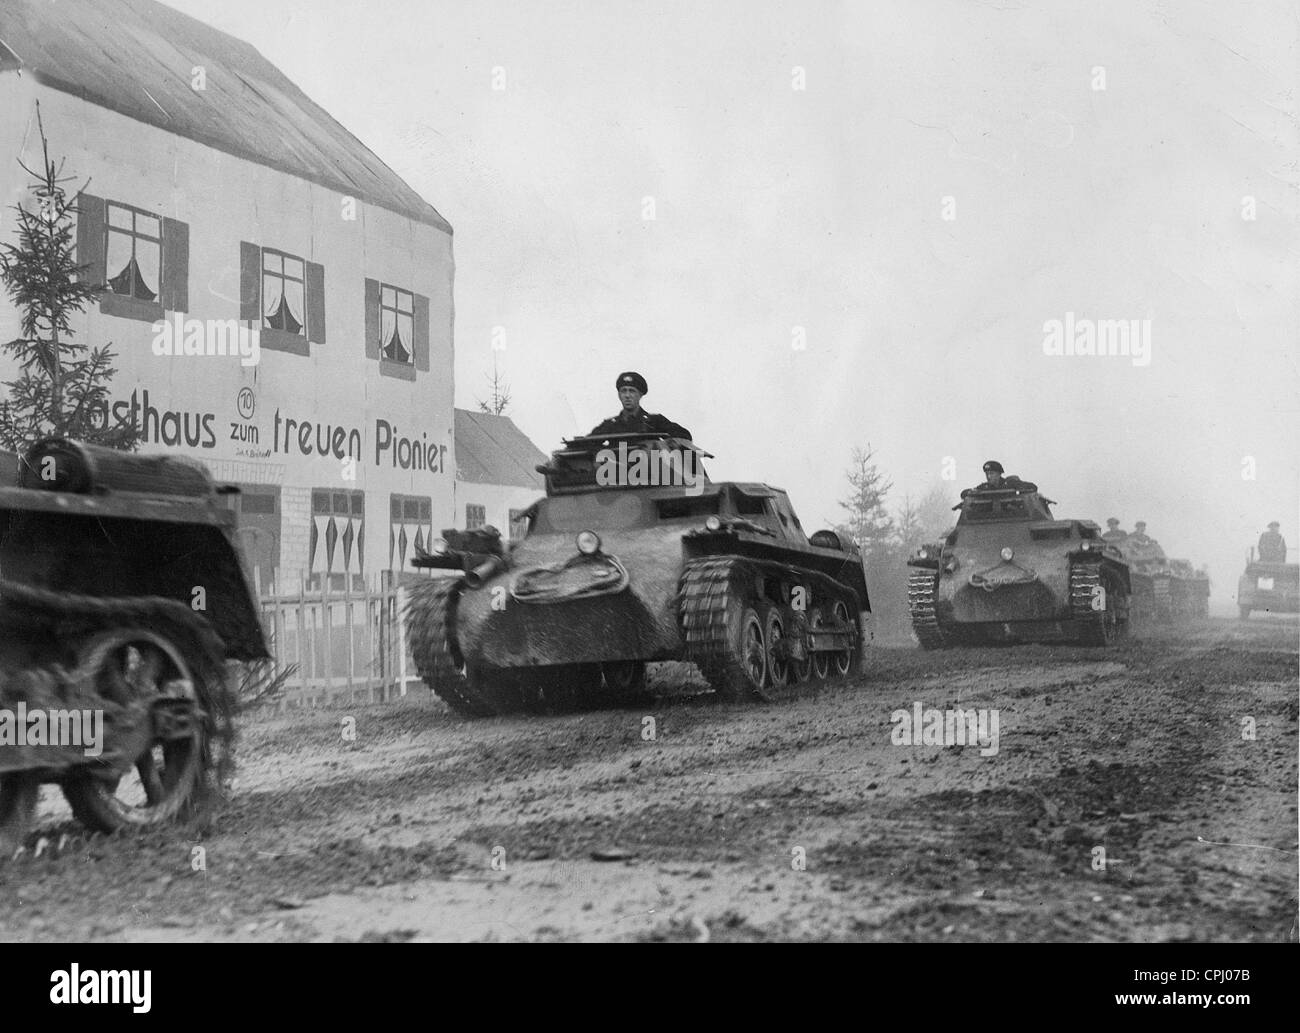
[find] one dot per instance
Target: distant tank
(616, 571)
(121, 593)
(1164, 589)
(1011, 572)
(1268, 586)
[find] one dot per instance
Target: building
(496, 473)
(280, 300)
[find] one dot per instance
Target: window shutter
(176, 265)
(315, 303)
(250, 282)
(373, 350)
(90, 238)
(421, 333)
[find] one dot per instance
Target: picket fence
(344, 644)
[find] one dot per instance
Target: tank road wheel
(776, 648)
(821, 661)
(130, 665)
(842, 660)
(430, 615)
(625, 681)
(800, 670)
(922, 589)
(1098, 602)
(723, 631)
(18, 798)
(567, 688)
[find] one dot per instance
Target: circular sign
(245, 402)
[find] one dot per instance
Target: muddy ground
(801, 821)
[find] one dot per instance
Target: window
(283, 295)
(518, 523)
(258, 530)
(337, 544)
(475, 516)
(133, 252)
(410, 526)
(141, 257)
(397, 330)
(396, 324)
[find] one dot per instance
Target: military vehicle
(1011, 572)
(634, 556)
(1269, 586)
(122, 596)
(1164, 589)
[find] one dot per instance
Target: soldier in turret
(1272, 546)
(632, 419)
(1113, 532)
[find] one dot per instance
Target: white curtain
(119, 254)
(293, 295)
(147, 261)
(272, 287)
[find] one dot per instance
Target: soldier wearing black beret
(994, 481)
(633, 419)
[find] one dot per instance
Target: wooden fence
(347, 642)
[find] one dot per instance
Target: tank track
(32, 619)
(921, 585)
(1084, 580)
(708, 588)
(430, 611)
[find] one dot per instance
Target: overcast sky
(824, 208)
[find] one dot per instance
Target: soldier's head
(1112, 523)
(1140, 527)
(631, 386)
(993, 472)
(1274, 526)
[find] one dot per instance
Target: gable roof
(135, 57)
(492, 450)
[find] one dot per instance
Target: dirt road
(1143, 793)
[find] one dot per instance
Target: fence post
(398, 610)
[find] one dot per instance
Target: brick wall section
(295, 532)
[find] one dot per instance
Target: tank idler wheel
(19, 794)
(922, 590)
(134, 665)
(1096, 600)
(430, 617)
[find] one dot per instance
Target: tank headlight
(1086, 546)
(588, 542)
(1007, 553)
(438, 547)
(713, 524)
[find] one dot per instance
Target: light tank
(635, 556)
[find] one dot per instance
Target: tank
(1164, 589)
(1011, 572)
(618, 570)
(122, 597)
(1268, 586)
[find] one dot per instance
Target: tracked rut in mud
(803, 820)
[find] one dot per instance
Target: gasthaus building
(280, 301)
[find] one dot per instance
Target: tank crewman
(1140, 536)
(1113, 532)
(632, 419)
(994, 479)
(1272, 546)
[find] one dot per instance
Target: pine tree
(867, 520)
(500, 398)
(62, 388)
